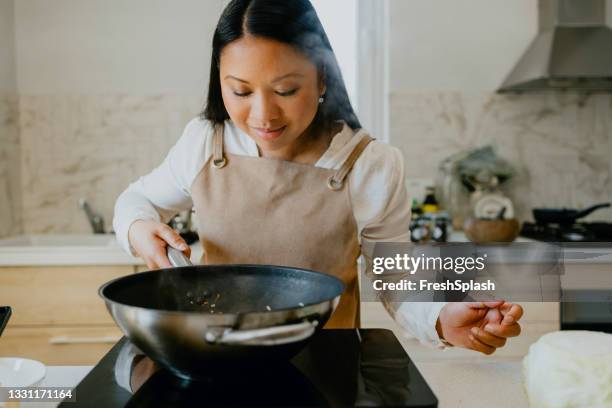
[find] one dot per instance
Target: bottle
(416, 209)
(430, 204)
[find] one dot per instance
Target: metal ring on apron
(219, 163)
(334, 184)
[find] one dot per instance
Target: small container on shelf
(430, 204)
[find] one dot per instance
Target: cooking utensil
(5, 315)
(191, 318)
(563, 215)
(488, 231)
(487, 205)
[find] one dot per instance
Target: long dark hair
(292, 22)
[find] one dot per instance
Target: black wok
(564, 215)
(195, 319)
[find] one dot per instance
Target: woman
(279, 172)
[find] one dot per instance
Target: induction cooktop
(338, 368)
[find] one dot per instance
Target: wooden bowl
(483, 231)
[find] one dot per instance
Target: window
(339, 19)
(357, 30)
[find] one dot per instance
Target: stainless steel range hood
(572, 51)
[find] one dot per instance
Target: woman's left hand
(480, 326)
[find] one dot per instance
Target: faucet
(95, 220)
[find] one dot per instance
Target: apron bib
(253, 210)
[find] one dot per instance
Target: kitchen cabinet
(51, 281)
(58, 316)
(59, 345)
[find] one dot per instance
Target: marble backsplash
(560, 144)
(94, 146)
(91, 147)
(10, 164)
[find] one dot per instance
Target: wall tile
(10, 189)
(92, 147)
(560, 144)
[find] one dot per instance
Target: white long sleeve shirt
(376, 186)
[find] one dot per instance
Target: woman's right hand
(149, 240)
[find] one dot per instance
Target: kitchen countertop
(458, 377)
(70, 249)
(59, 376)
(475, 384)
(573, 253)
(103, 249)
(458, 381)
(459, 236)
(456, 384)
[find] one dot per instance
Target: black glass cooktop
(337, 368)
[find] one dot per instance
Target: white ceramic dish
(21, 372)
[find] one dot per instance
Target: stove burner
(339, 367)
(574, 237)
(579, 232)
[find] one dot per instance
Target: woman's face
(270, 90)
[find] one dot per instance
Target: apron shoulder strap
(219, 160)
(336, 181)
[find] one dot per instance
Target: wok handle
(177, 258)
(268, 336)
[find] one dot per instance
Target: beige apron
(254, 210)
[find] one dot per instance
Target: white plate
(21, 372)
